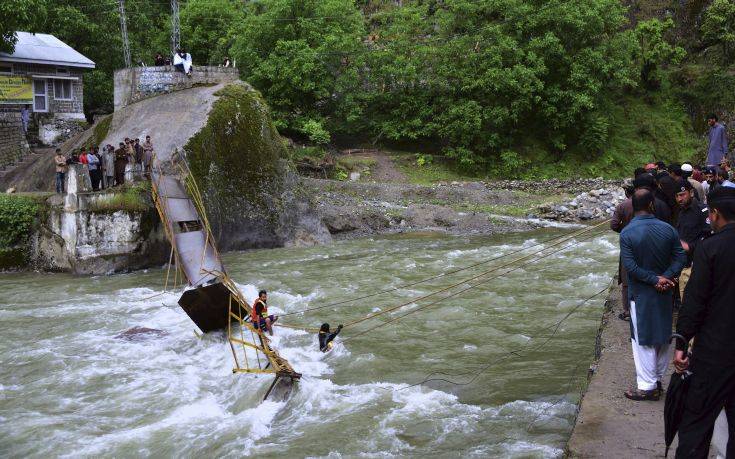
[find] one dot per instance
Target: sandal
(624, 316)
(643, 395)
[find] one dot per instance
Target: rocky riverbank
(591, 205)
(354, 209)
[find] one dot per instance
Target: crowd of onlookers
(110, 166)
(677, 247)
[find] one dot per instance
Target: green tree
(296, 52)
(93, 29)
(655, 51)
(206, 28)
(19, 15)
(478, 77)
(718, 27)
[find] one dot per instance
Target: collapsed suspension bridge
(216, 303)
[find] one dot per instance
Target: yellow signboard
(15, 90)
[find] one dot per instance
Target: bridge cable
(512, 353)
(446, 273)
(471, 286)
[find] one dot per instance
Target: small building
(45, 74)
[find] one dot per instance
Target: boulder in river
(140, 333)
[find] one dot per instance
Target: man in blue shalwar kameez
(653, 256)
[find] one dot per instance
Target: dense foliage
(505, 82)
(17, 216)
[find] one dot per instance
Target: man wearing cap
(687, 170)
(692, 225)
(710, 180)
(717, 136)
(708, 316)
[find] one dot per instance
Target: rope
(514, 352)
(447, 273)
(464, 281)
(448, 296)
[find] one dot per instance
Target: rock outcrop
(591, 205)
(252, 195)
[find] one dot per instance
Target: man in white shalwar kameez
(182, 61)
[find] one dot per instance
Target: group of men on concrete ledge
(109, 167)
(687, 252)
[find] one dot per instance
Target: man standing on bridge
(652, 256)
(708, 315)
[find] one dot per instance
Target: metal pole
(175, 26)
(124, 30)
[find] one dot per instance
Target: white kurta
(185, 61)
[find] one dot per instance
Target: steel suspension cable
(514, 352)
(446, 273)
(471, 286)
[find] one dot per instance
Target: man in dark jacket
(652, 255)
(708, 315)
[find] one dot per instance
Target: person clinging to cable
(326, 338)
(259, 314)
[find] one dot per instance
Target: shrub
(17, 217)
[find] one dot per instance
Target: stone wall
(73, 108)
(137, 83)
(64, 117)
(13, 144)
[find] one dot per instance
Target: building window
(62, 89)
(62, 71)
(6, 69)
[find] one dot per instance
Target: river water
(68, 387)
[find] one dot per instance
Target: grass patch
(310, 154)
(355, 163)
(438, 169)
(101, 129)
(640, 131)
(135, 198)
(527, 204)
(18, 215)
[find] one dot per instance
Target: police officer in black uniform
(708, 315)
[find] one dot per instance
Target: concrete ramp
(170, 119)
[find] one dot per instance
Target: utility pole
(175, 26)
(124, 30)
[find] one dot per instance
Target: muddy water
(68, 387)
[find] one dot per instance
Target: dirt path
(384, 170)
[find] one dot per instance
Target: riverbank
(608, 424)
(353, 209)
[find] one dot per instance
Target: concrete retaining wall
(75, 238)
(137, 83)
(13, 144)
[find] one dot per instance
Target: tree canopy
(478, 80)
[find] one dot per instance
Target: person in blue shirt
(653, 257)
(717, 149)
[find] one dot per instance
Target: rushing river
(68, 387)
